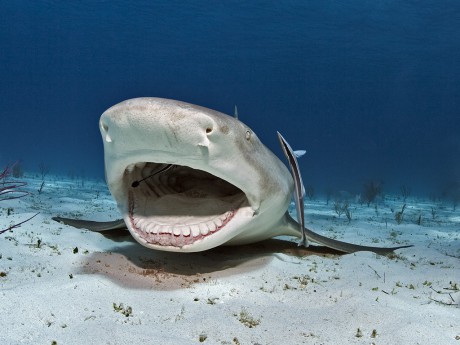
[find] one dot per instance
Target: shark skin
(187, 179)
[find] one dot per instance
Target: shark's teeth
(179, 233)
(211, 226)
(195, 230)
(186, 231)
(164, 231)
(139, 222)
(150, 228)
(218, 223)
(156, 228)
(203, 229)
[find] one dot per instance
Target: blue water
(371, 89)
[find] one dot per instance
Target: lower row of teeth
(204, 228)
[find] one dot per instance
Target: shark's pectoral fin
(349, 247)
(306, 234)
(339, 245)
(92, 225)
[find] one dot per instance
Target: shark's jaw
(179, 208)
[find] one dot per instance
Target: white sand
(270, 293)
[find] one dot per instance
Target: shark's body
(187, 179)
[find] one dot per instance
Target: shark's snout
(187, 131)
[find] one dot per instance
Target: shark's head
(187, 178)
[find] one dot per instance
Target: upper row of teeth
(204, 228)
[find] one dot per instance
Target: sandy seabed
(61, 285)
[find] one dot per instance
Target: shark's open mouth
(177, 205)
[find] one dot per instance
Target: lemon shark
(187, 179)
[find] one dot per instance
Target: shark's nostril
(105, 130)
(103, 125)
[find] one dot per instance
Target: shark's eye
(248, 135)
(208, 130)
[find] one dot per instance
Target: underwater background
(371, 89)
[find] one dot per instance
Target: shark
(187, 178)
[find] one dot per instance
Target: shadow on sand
(131, 265)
